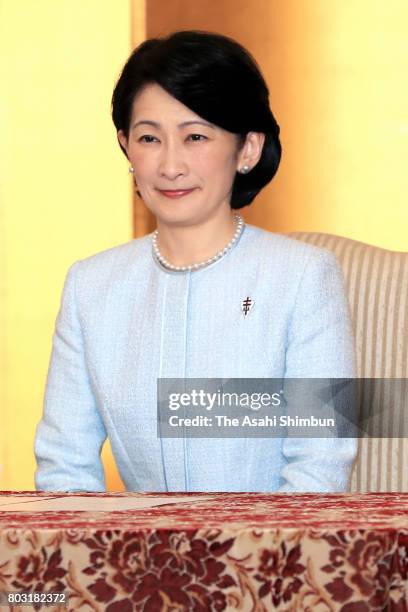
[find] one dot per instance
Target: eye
(147, 138)
(197, 137)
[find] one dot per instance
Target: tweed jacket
(124, 321)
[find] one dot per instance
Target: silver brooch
(246, 305)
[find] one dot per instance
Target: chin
(174, 213)
(177, 219)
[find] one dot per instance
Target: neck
(187, 245)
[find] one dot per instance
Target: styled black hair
(216, 78)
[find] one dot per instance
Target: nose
(172, 162)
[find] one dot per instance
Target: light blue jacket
(124, 321)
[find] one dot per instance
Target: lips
(175, 193)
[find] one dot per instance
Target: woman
(202, 297)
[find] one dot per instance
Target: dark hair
(217, 79)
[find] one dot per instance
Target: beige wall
(65, 191)
(336, 76)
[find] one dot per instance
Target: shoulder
(285, 252)
(108, 274)
(304, 273)
(112, 264)
(117, 256)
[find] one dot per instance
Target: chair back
(377, 286)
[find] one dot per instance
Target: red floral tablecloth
(209, 551)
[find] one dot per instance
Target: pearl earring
(244, 169)
(131, 169)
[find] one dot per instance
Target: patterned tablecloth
(209, 551)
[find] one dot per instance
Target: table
(119, 552)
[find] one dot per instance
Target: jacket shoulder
(117, 256)
(110, 268)
(287, 249)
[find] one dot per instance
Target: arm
(320, 345)
(70, 435)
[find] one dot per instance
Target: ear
(251, 151)
(123, 141)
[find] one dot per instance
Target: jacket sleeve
(320, 345)
(70, 435)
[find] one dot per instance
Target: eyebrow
(155, 124)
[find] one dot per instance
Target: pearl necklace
(202, 264)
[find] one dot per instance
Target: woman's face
(171, 148)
